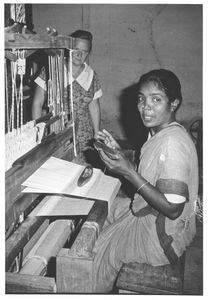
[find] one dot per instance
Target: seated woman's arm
(154, 197)
(151, 194)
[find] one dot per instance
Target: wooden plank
(30, 162)
(98, 213)
(20, 237)
(49, 244)
(36, 41)
(20, 283)
(74, 265)
(147, 279)
(23, 205)
(76, 271)
(33, 240)
(65, 151)
(89, 232)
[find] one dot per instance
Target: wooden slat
(20, 283)
(87, 236)
(20, 237)
(36, 41)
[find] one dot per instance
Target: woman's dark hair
(83, 34)
(166, 81)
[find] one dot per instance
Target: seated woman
(157, 226)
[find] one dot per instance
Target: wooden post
(20, 237)
(74, 266)
(23, 284)
(74, 273)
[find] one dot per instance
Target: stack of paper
(57, 176)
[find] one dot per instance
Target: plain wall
(128, 40)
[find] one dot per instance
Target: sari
(136, 232)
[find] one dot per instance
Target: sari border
(165, 239)
(173, 186)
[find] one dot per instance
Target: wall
(130, 39)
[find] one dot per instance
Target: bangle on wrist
(142, 186)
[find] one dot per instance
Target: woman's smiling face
(154, 106)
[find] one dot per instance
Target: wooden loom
(71, 250)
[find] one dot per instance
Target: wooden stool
(146, 279)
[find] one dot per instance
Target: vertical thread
(72, 105)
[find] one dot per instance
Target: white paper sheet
(57, 176)
(62, 206)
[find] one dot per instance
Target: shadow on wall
(136, 133)
(130, 119)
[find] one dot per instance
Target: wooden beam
(74, 274)
(74, 265)
(22, 206)
(36, 236)
(89, 232)
(36, 41)
(16, 242)
(98, 213)
(146, 279)
(23, 284)
(49, 244)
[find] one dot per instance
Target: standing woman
(157, 226)
(86, 92)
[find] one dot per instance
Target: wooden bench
(146, 279)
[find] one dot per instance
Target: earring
(174, 104)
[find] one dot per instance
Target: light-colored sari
(135, 231)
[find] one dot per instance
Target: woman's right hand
(108, 139)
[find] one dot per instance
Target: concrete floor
(193, 277)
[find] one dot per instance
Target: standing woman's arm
(94, 108)
(38, 102)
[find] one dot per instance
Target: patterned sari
(134, 231)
